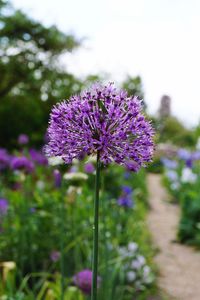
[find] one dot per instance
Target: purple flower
(83, 280)
(3, 207)
(55, 256)
(4, 159)
(127, 189)
(125, 201)
(127, 175)
(22, 163)
(101, 119)
(184, 154)
(57, 178)
(32, 210)
(168, 163)
(89, 168)
(23, 139)
(196, 155)
(172, 175)
(38, 157)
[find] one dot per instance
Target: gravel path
(179, 265)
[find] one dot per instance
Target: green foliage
(189, 227)
(31, 77)
(34, 227)
(172, 130)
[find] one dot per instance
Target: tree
(31, 76)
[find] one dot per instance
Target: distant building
(165, 107)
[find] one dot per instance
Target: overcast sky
(156, 39)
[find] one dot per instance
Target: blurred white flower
(40, 185)
(175, 185)
(75, 176)
(55, 161)
(123, 252)
(188, 176)
(146, 270)
(132, 246)
(131, 276)
(138, 263)
(141, 259)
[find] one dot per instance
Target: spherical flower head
(104, 120)
(22, 163)
(3, 207)
(83, 280)
(23, 139)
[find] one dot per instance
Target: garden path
(179, 265)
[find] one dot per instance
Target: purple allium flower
(3, 207)
(22, 163)
(38, 157)
(4, 159)
(101, 119)
(83, 280)
(23, 139)
(55, 255)
(57, 178)
(89, 168)
(127, 189)
(125, 201)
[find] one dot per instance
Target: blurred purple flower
(55, 255)
(3, 207)
(38, 157)
(184, 154)
(125, 201)
(22, 163)
(73, 169)
(57, 178)
(196, 155)
(89, 168)
(189, 163)
(4, 159)
(83, 280)
(127, 175)
(101, 119)
(127, 189)
(23, 139)
(172, 175)
(168, 163)
(16, 186)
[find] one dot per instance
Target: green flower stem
(62, 258)
(96, 231)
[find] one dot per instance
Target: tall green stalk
(62, 238)
(96, 231)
